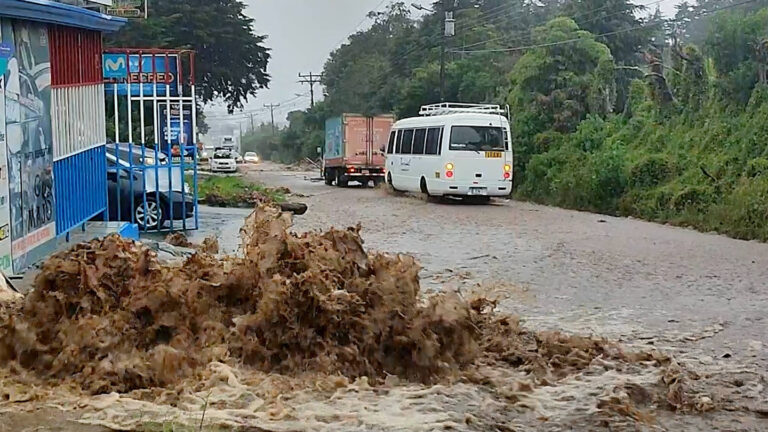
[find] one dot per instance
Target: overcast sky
(302, 33)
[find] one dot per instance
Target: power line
(271, 108)
(310, 79)
(359, 24)
(520, 48)
(245, 114)
(526, 33)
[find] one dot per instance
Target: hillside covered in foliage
(615, 109)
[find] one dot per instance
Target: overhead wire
(635, 28)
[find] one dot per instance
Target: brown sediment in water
(210, 244)
(109, 317)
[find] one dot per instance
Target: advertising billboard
(175, 135)
(117, 74)
(28, 141)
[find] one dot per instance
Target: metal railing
(148, 183)
(460, 108)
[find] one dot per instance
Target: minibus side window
(407, 146)
(433, 141)
(391, 144)
(418, 141)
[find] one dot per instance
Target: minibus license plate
(493, 155)
(478, 191)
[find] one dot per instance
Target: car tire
(155, 214)
(423, 187)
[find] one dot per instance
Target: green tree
(358, 77)
(555, 86)
(231, 60)
(568, 77)
(734, 43)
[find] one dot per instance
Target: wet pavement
(625, 279)
(699, 297)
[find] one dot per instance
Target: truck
(355, 149)
(228, 142)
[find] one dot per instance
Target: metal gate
(152, 151)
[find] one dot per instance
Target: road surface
(620, 278)
(699, 297)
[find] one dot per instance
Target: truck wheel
(328, 176)
(340, 180)
(377, 182)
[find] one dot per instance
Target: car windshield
(477, 138)
(222, 155)
(250, 154)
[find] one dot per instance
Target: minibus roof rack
(446, 108)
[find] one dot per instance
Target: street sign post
(135, 9)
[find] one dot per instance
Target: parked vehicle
(223, 161)
(354, 149)
(251, 157)
(452, 149)
(142, 188)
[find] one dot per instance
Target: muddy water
(698, 297)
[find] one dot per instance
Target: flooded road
(686, 308)
(620, 278)
(697, 296)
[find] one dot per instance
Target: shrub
(651, 171)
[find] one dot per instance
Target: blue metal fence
(80, 185)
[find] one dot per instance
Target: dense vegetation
(616, 110)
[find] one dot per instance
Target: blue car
(143, 188)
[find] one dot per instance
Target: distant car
(167, 195)
(223, 161)
(238, 157)
(251, 157)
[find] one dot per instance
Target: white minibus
(451, 149)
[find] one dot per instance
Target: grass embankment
(707, 169)
(237, 192)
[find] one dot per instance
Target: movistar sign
(118, 73)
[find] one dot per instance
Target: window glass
(476, 138)
(399, 142)
(407, 145)
(418, 141)
(391, 144)
(433, 141)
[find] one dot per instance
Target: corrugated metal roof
(59, 13)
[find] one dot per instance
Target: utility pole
(450, 30)
(310, 79)
(252, 128)
(272, 113)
